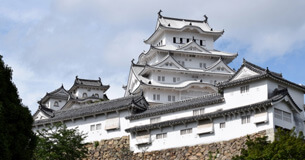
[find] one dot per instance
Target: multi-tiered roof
(181, 59)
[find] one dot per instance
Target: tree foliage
(57, 143)
(17, 141)
(287, 145)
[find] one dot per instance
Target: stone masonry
(118, 149)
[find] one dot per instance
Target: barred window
(245, 119)
(198, 112)
(161, 136)
(244, 89)
(185, 131)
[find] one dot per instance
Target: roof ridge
(182, 19)
(186, 100)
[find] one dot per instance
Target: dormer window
(85, 95)
(56, 104)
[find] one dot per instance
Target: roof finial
(132, 61)
(99, 78)
(205, 19)
(267, 70)
(76, 77)
(159, 14)
(244, 61)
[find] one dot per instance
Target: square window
(158, 97)
(244, 89)
(174, 79)
(159, 78)
(98, 126)
(163, 78)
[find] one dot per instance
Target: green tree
(17, 141)
(57, 142)
(287, 145)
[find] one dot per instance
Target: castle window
(260, 117)
(174, 39)
(202, 65)
(85, 95)
(92, 128)
(112, 121)
(181, 40)
(182, 63)
(201, 42)
(161, 78)
(222, 125)
(156, 97)
(155, 120)
(198, 112)
(187, 40)
(56, 104)
(161, 135)
(244, 89)
(143, 137)
(98, 126)
(186, 131)
(174, 79)
(171, 98)
(96, 95)
(245, 119)
(282, 115)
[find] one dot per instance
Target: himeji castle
(179, 93)
(181, 63)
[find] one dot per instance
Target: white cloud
(49, 43)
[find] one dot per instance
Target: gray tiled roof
(137, 103)
(60, 93)
(262, 73)
(264, 104)
(179, 106)
(88, 83)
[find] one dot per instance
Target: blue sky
(47, 43)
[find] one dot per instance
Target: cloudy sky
(47, 43)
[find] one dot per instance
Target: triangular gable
(243, 73)
(39, 115)
(193, 46)
(290, 104)
(220, 67)
(61, 92)
(169, 62)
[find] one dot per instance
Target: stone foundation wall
(118, 148)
